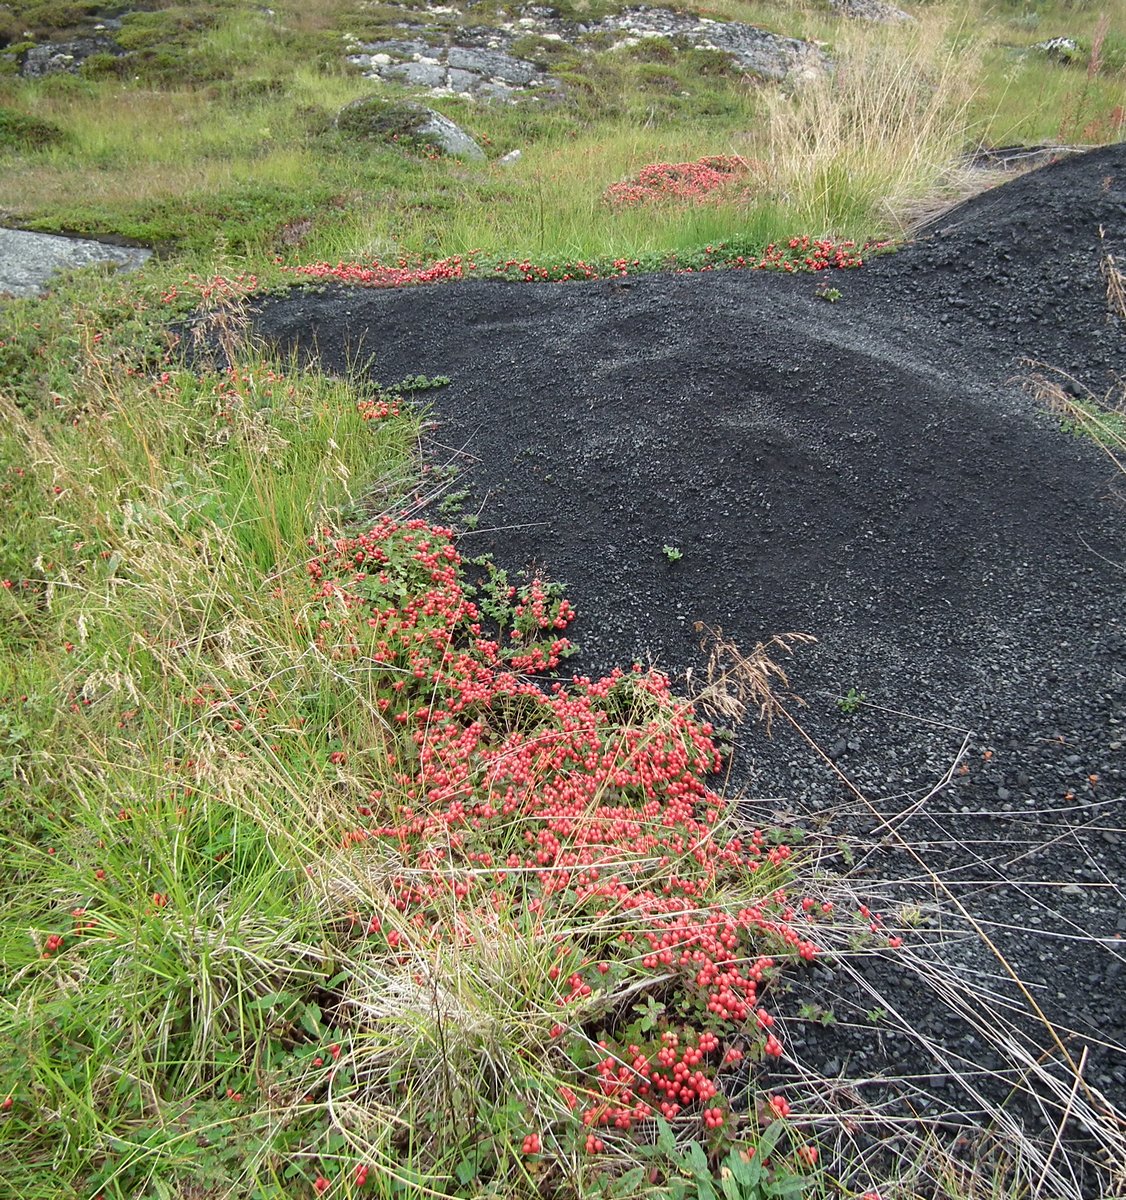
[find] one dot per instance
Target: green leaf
(698, 1161)
(271, 1000)
(629, 1182)
(311, 1020)
(705, 1189)
(789, 1185)
(666, 1139)
(748, 1173)
(769, 1139)
(731, 1187)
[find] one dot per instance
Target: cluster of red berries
(707, 180)
(594, 802)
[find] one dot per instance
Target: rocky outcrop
(488, 73)
(870, 10)
(54, 58)
(412, 126)
(756, 51)
(482, 62)
(29, 260)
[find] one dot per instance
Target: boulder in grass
(55, 58)
(1060, 49)
(870, 10)
(405, 123)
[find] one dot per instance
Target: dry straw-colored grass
(880, 129)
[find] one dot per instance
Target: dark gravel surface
(871, 472)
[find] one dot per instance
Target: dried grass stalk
(739, 682)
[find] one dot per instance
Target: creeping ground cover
(346, 850)
(323, 875)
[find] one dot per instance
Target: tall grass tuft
(875, 134)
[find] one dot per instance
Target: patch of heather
(803, 253)
(580, 806)
(723, 179)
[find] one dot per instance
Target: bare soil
(869, 471)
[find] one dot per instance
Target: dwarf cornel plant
(322, 874)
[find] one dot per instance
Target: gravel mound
(870, 472)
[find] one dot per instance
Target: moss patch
(18, 131)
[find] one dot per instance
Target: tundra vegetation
(321, 876)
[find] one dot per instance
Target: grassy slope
(185, 736)
(245, 145)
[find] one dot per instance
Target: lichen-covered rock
(1060, 49)
(870, 10)
(417, 74)
(492, 64)
(479, 68)
(484, 61)
(29, 260)
(410, 125)
(54, 58)
(755, 50)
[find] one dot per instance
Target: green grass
(248, 149)
(182, 747)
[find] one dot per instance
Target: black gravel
(869, 471)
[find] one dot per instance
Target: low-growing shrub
(19, 131)
(719, 178)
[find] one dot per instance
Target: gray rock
(396, 48)
(425, 75)
(54, 58)
(461, 81)
(492, 63)
(1060, 49)
(870, 10)
(482, 65)
(372, 118)
(755, 50)
(451, 137)
(29, 260)
(490, 90)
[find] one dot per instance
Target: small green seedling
(672, 553)
(850, 702)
